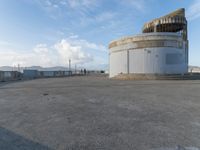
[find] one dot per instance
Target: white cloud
(41, 49)
(85, 44)
(78, 50)
(137, 4)
(59, 9)
(80, 3)
(54, 4)
(105, 16)
(67, 51)
(140, 5)
(4, 43)
(40, 55)
(72, 36)
(193, 11)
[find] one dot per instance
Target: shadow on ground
(12, 141)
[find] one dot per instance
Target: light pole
(70, 66)
(75, 68)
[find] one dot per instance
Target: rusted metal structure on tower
(173, 22)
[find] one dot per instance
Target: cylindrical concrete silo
(161, 49)
(150, 53)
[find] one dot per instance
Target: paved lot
(90, 113)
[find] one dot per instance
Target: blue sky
(49, 32)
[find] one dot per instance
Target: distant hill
(6, 68)
(39, 68)
(9, 68)
(194, 69)
(61, 68)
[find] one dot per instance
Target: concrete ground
(95, 113)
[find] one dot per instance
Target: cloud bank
(81, 52)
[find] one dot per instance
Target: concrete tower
(162, 48)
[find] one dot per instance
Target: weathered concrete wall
(142, 40)
(152, 53)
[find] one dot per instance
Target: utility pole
(70, 66)
(18, 68)
(75, 68)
